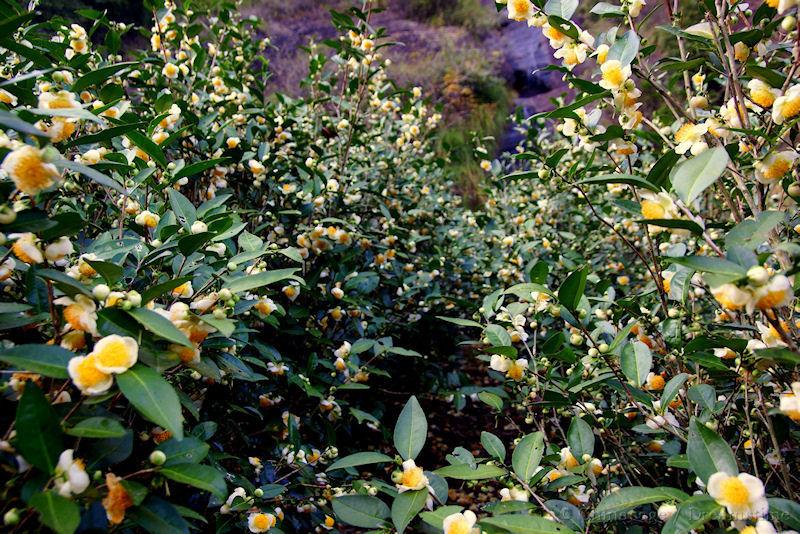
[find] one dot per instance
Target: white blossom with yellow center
(59, 249)
(520, 10)
(690, 138)
(58, 100)
(26, 248)
(775, 166)
(70, 475)
(777, 293)
(460, 523)
(786, 106)
(614, 75)
(30, 169)
(115, 354)
(790, 403)
(413, 477)
(742, 495)
(762, 93)
(514, 369)
(260, 522)
(731, 297)
(147, 219)
(79, 313)
(87, 377)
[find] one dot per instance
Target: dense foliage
(211, 295)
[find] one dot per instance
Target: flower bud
(788, 23)
(158, 457)
(7, 214)
(758, 276)
(198, 227)
(134, 298)
(11, 517)
(666, 510)
(101, 291)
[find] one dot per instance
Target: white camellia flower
(260, 522)
(460, 523)
(413, 477)
(59, 249)
(742, 495)
(70, 475)
(514, 494)
(115, 354)
(87, 377)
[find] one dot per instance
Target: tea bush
(210, 294)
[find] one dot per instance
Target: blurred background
(468, 59)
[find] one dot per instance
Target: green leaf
(785, 511)
(105, 135)
(710, 264)
(360, 458)
(465, 472)
(184, 210)
(491, 399)
(560, 8)
(199, 476)
(625, 48)
(111, 272)
(411, 430)
(708, 453)
(151, 148)
(460, 322)
(672, 388)
(68, 285)
(406, 506)
(673, 223)
(695, 175)
(778, 354)
(46, 360)
(362, 511)
(703, 394)
(90, 173)
(614, 505)
(159, 325)
(57, 512)
(571, 291)
(606, 9)
(39, 438)
(497, 336)
(580, 437)
(153, 397)
(636, 361)
(159, 289)
(527, 455)
(628, 179)
(526, 524)
(189, 450)
(254, 281)
(493, 445)
(98, 76)
(751, 233)
(157, 516)
(569, 514)
(659, 173)
(197, 168)
(97, 427)
(692, 513)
